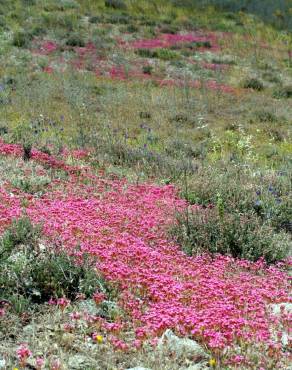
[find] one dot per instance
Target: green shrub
(277, 134)
(27, 151)
(3, 23)
(69, 4)
(118, 18)
(75, 40)
(147, 70)
(265, 116)
(253, 83)
(169, 29)
(61, 23)
(20, 232)
(164, 54)
(36, 184)
(146, 53)
(21, 39)
(95, 19)
(178, 148)
(145, 115)
(29, 2)
(118, 153)
(115, 4)
(243, 191)
(238, 235)
(34, 273)
(271, 76)
(3, 130)
(283, 92)
(132, 28)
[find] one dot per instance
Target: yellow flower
(16, 368)
(212, 362)
(99, 338)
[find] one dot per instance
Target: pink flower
(68, 327)
(55, 364)
(23, 353)
(39, 363)
(137, 343)
(62, 303)
(98, 297)
(118, 344)
(75, 315)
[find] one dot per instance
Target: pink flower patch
(168, 40)
(215, 66)
(48, 69)
(46, 47)
(217, 300)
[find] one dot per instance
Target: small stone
(2, 363)
(181, 347)
(276, 308)
(199, 366)
(285, 339)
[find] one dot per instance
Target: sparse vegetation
(145, 183)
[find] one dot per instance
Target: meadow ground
(145, 185)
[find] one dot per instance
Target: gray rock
(2, 363)
(285, 339)
(276, 308)
(181, 347)
(199, 366)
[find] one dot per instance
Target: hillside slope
(145, 184)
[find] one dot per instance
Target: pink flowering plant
(216, 300)
(23, 353)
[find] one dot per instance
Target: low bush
(146, 53)
(34, 272)
(22, 39)
(253, 83)
(169, 29)
(164, 54)
(75, 40)
(147, 70)
(95, 19)
(115, 4)
(132, 28)
(118, 19)
(265, 116)
(120, 154)
(243, 191)
(3, 130)
(68, 4)
(283, 92)
(238, 235)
